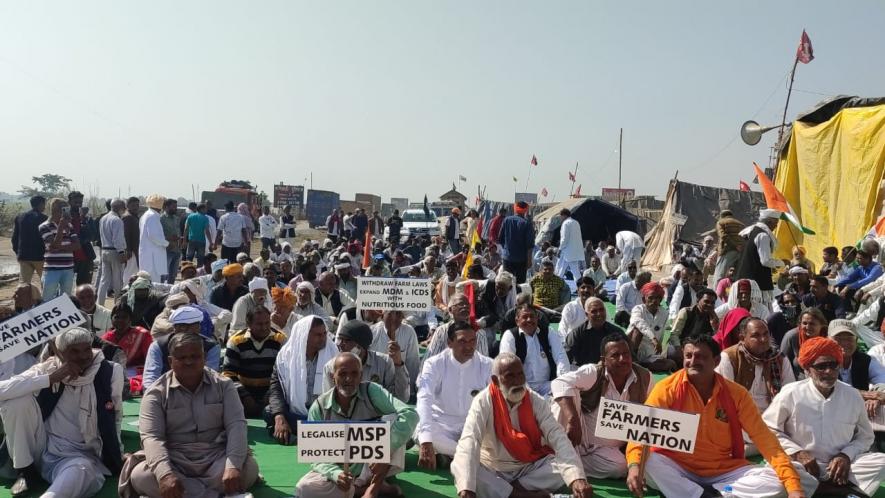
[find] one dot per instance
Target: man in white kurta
(152, 246)
(648, 324)
(544, 354)
(392, 334)
(822, 423)
(571, 247)
(483, 466)
(573, 314)
(631, 245)
(446, 387)
(621, 380)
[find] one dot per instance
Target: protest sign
(405, 294)
(37, 325)
(648, 425)
(343, 442)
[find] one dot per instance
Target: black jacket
(26, 241)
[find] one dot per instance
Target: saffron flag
(805, 53)
(534, 160)
(571, 176)
(776, 200)
(544, 192)
(367, 250)
(578, 191)
(878, 230)
(743, 186)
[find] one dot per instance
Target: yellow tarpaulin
(830, 175)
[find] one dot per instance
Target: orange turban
(232, 269)
(816, 347)
(284, 298)
(651, 289)
(520, 208)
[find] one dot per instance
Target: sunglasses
(827, 365)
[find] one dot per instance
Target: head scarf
(155, 201)
(196, 287)
(140, 283)
(306, 285)
(651, 289)
(816, 347)
(258, 283)
(218, 265)
(186, 315)
(243, 209)
(177, 300)
(291, 364)
(284, 297)
(757, 308)
(726, 335)
(232, 269)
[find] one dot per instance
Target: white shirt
(571, 246)
(802, 419)
(610, 263)
(446, 389)
(537, 370)
(573, 383)
(628, 297)
(864, 320)
(408, 343)
(626, 241)
(878, 352)
(346, 302)
(765, 245)
(676, 301)
(231, 226)
(573, 316)
(651, 327)
(623, 278)
(267, 227)
(758, 390)
(598, 275)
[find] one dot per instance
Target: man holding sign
(726, 409)
(354, 400)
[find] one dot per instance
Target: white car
(417, 224)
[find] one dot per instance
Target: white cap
(769, 214)
(186, 315)
(258, 283)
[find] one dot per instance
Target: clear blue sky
(399, 98)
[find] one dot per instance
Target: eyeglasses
(827, 365)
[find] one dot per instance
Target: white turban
(798, 270)
(342, 266)
(769, 214)
(258, 283)
(186, 315)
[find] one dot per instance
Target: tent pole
(620, 157)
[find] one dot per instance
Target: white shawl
(88, 417)
(291, 365)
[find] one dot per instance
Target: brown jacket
(729, 229)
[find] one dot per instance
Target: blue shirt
(153, 363)
(516, 238)
(196, 226)
(861, 276)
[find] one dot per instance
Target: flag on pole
(514, 179)
(462, 178)
(743, 186)
(578, 191)
(776, 200)
(805, 53)
(544, 192)
(571, 176)
(474, 240)
(367, 250)
(534, 160)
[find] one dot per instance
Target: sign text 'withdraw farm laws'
(404, 294)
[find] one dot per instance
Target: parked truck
(320, 204)
(235, 191)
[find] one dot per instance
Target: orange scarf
(726, 402)
(525, 446)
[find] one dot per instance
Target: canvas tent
(692, 210)
(830, 171)
(599, 220)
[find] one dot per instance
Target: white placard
(343, 442)
(405, 294)
(37, 325)
(648, 425)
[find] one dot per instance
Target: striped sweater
(250, 363)
(61, 258)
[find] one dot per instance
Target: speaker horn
(751, 132)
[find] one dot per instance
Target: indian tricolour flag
(776, 200)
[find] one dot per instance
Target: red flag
(367, 250)
(571, 176)
(578, 191)
(743, 186)
(534, 160)
(544, 192)
(805, 53)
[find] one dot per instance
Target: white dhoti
(600, 461)
(752, 481)
(538, 476)
(576, 267)
(315, 485)
(25, 434)
(72, 477)
(445, 440)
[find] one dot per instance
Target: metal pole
(780, 132)
(620, 158)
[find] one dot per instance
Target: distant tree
(48, 185)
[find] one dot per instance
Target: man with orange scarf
(511, 445)
(726, 409)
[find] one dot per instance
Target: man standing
(822, 424)
(756, 260)
(360, 224)
(495, 226)
(152, 249)
(376, 226)
(197, 232)
(394, 227)
(453, 231)
(502, 453)
(630, 245)
(571, 247)
(267, 228)
(540, 350)
(131, 234)
(446, 387)
(171, 223)
(84, 256)
(517, 240)
(354, 400)
(232, 233)
(728, 228)
(113, 251)
(26, 241)
(193, 431)
(718, 460)
(60, 243)
(334, 226)
(577, 395)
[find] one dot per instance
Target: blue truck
(320, 204)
